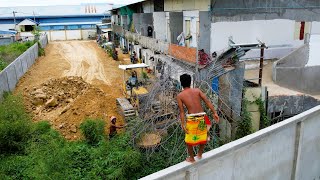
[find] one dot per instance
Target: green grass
(36, 151)
(8, 53)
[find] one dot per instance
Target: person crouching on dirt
(113, 127)
(197, 123)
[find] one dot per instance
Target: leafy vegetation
(36, 151)
(8, 53)
(266, 121)
(93, 131)
(245, 124)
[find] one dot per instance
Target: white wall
(70, 34)
(193, 16)
(57, 35)
(160, 25)
(287, 150)
(73, 35)
(272, 32)
(315, 27)
(314, 55)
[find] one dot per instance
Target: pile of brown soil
(66, 102)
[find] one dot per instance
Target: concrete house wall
(175, 21)
(205, 31)
(160, 25)
(148, 6)
(193, 18)
(250, 31)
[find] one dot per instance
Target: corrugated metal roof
(120, 6)
(68, 23)
(27, 22)
(7, 32)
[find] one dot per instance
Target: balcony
(178, 52)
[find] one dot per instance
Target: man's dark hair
(185, 80)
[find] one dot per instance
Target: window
(72, 27)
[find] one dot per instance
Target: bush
(3, 64)
(10, 52)
(15, 125)
(93, 131)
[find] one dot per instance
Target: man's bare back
(191, 98)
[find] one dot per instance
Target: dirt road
(46, 79)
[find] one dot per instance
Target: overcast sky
(11, 3)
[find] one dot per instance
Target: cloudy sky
(11, 3)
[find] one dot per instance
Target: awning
(133, 66)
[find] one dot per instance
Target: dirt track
(73, 58)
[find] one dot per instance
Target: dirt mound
(66, 102)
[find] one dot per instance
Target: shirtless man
(197, 124)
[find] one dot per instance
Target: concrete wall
(205, 31)
(272, 32)
(148, 6)
(141, 22)
(160, 25)
(136, 22)
(287, 150)
(64, 35)
(175, 25)
(186, 5)
(292, 73)
(234, 10)
(297, 58)
(291, 105)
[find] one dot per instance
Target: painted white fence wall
(287, 150)
(64, 35)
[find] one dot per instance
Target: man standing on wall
(197, 124)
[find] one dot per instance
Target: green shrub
(15, 125)
(93, 131)
(3, 64)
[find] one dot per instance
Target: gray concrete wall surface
(159, 24)
(292, 73)
(175, 25)
(205, 31)
(291, 105)
(146, 20)
(287, 150)
(234, 10)
(297, 58)
(136, 22)
(9, 77)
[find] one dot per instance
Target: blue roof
(7, 32)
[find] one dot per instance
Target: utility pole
(14, 19)
(34, 17)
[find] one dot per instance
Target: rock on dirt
(66, 103)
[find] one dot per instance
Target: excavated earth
(76, 80)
